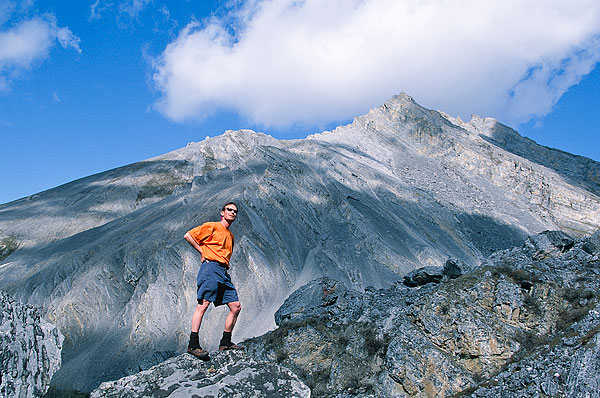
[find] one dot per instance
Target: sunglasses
(231, 210)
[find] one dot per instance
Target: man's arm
(194, 244)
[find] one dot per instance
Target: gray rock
(591, 245)
(549, 241)
(30, 349)
(423, 276)
(151, 359)
(227, 374)
(312, 300)
(451, 269)
(583, 374)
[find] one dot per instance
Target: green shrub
(520, 275)
(524, 278)
(53, 392)
(568, 317)
(531, 304)
(280, 354)
(7, 246)
(530, 341)
(373, 344)
(343, 341)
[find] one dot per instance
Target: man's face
(230, 213)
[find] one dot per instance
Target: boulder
(591, 245)
(227, 374)
(451, 269)
(550, 241)
(312, 300)
(423, 276)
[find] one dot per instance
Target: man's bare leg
(194, 344)
(198, 315)
(234, 310)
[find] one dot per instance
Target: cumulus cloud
(28, 42)
(280, 62)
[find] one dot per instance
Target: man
(214, 242)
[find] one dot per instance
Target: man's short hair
(227, 204)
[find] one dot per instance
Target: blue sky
(87, 86)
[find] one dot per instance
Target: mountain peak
(401, 98)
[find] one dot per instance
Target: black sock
(194, 340)
(226, 339)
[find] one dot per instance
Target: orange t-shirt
(216, 241)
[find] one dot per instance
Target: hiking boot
(230, 346)
(199, 353)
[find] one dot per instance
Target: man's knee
(235, 307)
(202, 305)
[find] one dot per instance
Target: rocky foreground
(524, 324)
(30, 349)
(228, 374)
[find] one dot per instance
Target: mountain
(397, 189)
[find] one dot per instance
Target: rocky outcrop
(527, 321)
(400, 188)
(228, 374)
(30, 349)
(425, 275)
(565, 365)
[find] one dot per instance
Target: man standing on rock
(214, 242)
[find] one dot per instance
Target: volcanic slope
(397, 189)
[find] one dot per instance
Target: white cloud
(97, 8)
(549, 80)
(286, 61)
(126, 12)
(6, 9)
(30, 41)
(133, 7)
(11, 7)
